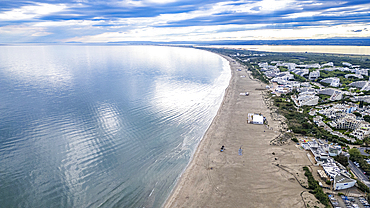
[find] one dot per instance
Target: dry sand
(225, 179)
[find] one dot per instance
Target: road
(362, 150)
(359, 173)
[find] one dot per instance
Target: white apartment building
(333, 81)
(347, 122)
(314, 75)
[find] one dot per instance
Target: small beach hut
(257, 119)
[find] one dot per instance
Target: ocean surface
(355, 50)
(102, 126)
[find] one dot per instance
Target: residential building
(347, 122)
(314, 75)
(333, 81)
(358, 76)
(334, 94)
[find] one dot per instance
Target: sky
(102, 21)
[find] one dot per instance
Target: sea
(102, 126)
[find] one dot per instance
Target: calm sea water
(102, 126)
(356, 50)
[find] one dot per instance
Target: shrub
(362, 186)
(315, 188)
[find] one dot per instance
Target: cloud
(30, 12)
(99, 20)
(41, 34)
(257, 8)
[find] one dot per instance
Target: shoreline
(226, 179)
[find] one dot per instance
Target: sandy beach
(253, 179)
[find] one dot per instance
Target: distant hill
(337, 41)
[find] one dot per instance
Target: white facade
(359, 76)
(333, 81)
(335, 151)
(255, 119)
(308, 100)
(358, 84)
(343, 182)
(334, 93)
(328, 64)
(314, 75)
(347, 64)
(362, 72)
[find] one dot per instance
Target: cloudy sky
(180, 20)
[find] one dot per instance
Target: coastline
(253, 179)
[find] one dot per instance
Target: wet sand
(226, 179)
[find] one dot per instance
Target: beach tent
(257, 119)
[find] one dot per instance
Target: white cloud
(161, 1)
(148, 28)
(208, 33)
(41, 34)
(67, 23)
(272, 5)
(30, 12)
(302, 14)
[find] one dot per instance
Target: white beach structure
(255, 119)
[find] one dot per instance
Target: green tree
(357, 114)
(367, 118)
(342, 160)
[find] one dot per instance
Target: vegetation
(324, 97)
(298, 58)
(316, 188)
(299, 122)
(357, 114)
(257, 73)
(362, 186)
(355, 155)
(367, 118)
(299, 78)
(294, 139)
(283, 69)
(342, 160)
(340, 75)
